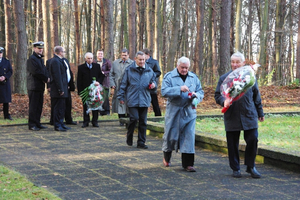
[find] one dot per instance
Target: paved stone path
(95, 163)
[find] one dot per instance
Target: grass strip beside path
(15, 186)
(279, 131)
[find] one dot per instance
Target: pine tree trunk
(298, 48)
(238, 30)
(132, 28)
(39, 21)
(54, 23)
(109, 40)
(20, 67)
(157, 31)
(199, 40)
(263, 37)
(141, 24)
(77, 33)
(174, 36)
(46, 28)
(164, 36)
(225, 37)
(9, 35)
(2, 24)
(149, 24)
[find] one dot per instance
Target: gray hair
(139, 53)
(183, 60)
(57, 49)
(88, 53)
(239, 55)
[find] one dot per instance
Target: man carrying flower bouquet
(86, 72)
(242, 114)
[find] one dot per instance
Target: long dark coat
(85, 76)
(154, 65)
(242, 114)
(5, 90)
(58, 75)
(37, 74)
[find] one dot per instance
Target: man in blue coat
(243, 114)
(5, 91)
(183, 90)
(135, 87)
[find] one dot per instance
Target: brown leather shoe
(190, 169)
(166, 164)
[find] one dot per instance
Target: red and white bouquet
(93, 96)
(238, 82)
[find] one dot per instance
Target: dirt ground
(273, 98)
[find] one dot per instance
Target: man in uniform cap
(5, 91)
(37, 76)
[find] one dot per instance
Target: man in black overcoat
(5, 90)
(59, 77)
(154, 65)
(85, 75)
(37, 76)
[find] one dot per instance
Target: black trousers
(137, 114)
(5, 110)
(187, 159)
(155, 105)
(105, 104)
(36, 100)
(86, 116)
(58, 111)
(233, 138)
(68, 109)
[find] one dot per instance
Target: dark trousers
(187, 159)
(58, 111)
(137, 114)
(86, 116)
(105, 104)
(233, 138)
(5, 110)
(68, 109)
(36, 100)
(155, 105)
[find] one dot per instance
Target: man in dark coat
(241, 115)
(37, 76)
(71, 88)
(85, 75)
(5, 91)
(135, 87)
(105, 66)
(154, 65)
(58, 87)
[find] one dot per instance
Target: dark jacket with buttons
(37, 74)
(5, 89)
(85, 76)
(154, 65)
(58, 78)
(242, 114)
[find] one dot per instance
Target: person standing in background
(37, 76)
(5, 89)
(154, 65)
(105, 66)
(115, 77)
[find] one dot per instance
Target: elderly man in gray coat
(184, 92)
(115, 77)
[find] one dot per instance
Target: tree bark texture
(9, 35)
(200, 36)
(298, 48)
(132, 28)
(150, 22)
(109, 40)
(238, 25)
(46, 28)
(54, 23)
(20, 67)
(225, 37)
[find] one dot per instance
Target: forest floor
(274, 99)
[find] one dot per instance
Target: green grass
(15, 186)
(277, 130)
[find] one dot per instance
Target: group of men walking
(134, 83)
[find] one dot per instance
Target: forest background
(206, 31)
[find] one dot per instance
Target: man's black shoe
(237, 174)
(8, 117)
(142, 146)
(34, 128)
(129, 143)
(72, 123)
(60, 129)
(42, 127)
(65, 127)
(85, 125)
(254, 173)
(95, 125)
